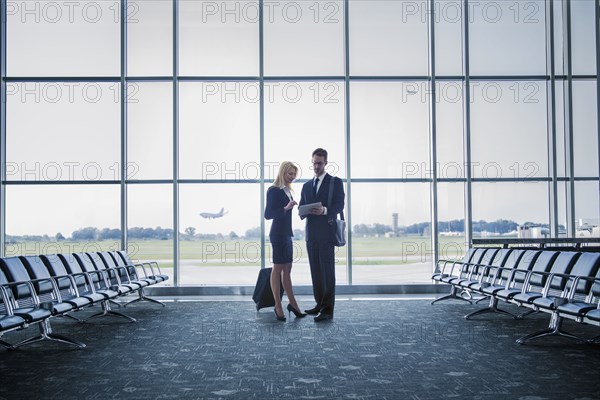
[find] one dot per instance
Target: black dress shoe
(282, 319)
(297, 313)
(323, 317)
(313, 311)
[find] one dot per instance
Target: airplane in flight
(214, 215)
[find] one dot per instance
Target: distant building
(586, 223)
(532, 232)
(451, 233)
(395, 222)
(488, 234)
(587, 227)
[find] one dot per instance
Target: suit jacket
(317, 226)
(282, 220)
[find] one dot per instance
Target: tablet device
(305, 209)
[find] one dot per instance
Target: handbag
(338, 226)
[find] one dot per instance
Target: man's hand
(317, 210)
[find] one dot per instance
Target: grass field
(365, 251)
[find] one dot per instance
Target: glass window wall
(219, 93)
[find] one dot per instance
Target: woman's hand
(290, 205)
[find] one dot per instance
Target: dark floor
(373, 349)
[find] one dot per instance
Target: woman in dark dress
(279, 208)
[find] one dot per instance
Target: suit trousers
(322, 270)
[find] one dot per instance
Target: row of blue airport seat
(34, 289)
(564, 284)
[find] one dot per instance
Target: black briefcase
(263, 295)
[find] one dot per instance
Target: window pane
(561, 140)
(150, 38)
(451, 220)
(587, 209)
(392, 241)
(583, 41)
(585, 128)
(508, 129)
(75, 127)
(559, 55)
(389, 129)
(150, 131)
(50, 219)
(507, 37)
(220, 250)
(388, 38)
(563, 209)
(449, 130)
(515, 202)
(304, 38)
(47, 38)
(150, 225)
(300, 117)
(219, 130)
(448, 38)
(218, 38)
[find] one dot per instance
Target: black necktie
(315, 187)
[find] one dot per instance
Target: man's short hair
(320, 152)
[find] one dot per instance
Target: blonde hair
(283, 169)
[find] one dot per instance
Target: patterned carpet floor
(373, 349)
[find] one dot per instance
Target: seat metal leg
(73, 317)
(64, 339)
(106, 310)
(133, 301)
(142, 297)
(115, 302)
(492, 307)
(112, 312)
(150, 299)
(452, 295)
(28, 341)
(480, 311)
(526, 313)
(120, 314)
(46, 334)
(554, 329)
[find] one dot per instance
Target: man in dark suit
(319, 234)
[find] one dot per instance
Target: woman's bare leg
(287, 284)
(276, 287)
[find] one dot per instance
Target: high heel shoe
(297, 313)
(282, 318)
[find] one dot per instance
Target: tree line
(89, 233)
(500, 226)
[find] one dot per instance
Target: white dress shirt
(321, 177)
